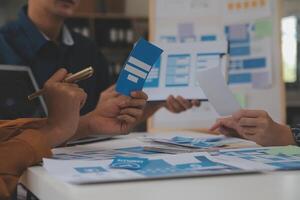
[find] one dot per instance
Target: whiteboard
(253, 29)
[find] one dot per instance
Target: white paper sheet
(164, 166)
(174, 73)
(216, 90)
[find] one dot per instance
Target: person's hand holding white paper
(214, 86)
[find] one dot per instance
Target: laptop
(16, 83)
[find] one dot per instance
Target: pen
(74, 78)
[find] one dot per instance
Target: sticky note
(288, 150)
(137, 67)
(132, 163)
(238, 33)
(261, 80)
(263, 28)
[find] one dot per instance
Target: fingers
(180, 104)
(249, 114)
(139, 95)
(173, 105)
(228, 132)
(68, 75)
(133, 112)
(83, 99)
(228, 123)
(109, 93)
(250, 122)
(138, 100)
(127, 119)
(245, 131)
(136, 103)
(73, 85)
(74, 91)
(58, 76)
(216, 126)
(196, 103)
(227, 127)
(184, 103)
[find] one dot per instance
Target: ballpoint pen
(74, 78)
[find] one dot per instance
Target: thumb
(58, 76)
(215, 126)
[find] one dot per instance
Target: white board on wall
(253, 29)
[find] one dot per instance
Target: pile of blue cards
(137, 67)
(203, 143)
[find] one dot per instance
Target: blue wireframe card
(137, 67)
(133, 163)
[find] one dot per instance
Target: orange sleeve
(17, 154)
(12, 128)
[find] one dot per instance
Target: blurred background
(115, 24)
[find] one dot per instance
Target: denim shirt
(21, 43)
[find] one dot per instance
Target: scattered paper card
(137, 67)
(217, 91)
(280, 158)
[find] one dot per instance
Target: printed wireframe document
(175, 72)
(228, 161)
(157, 167)
(217, 91)
(137, 67)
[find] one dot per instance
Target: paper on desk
(208, 142)
(216, 90)
(162, 166)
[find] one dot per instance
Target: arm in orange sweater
(17, 154)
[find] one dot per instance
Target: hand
(115, 113)
(63, 101)
(179, 104)
(257, 126)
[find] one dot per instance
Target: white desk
(269, 186)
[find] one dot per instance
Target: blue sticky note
(133, 163)
(137, 67)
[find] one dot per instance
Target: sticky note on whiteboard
(137, 67)
(214, 86)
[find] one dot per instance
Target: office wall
(137, 8)
(9, 9)
(291, 7)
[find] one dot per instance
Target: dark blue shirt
(21, 43)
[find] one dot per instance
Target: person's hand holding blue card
(137, 67)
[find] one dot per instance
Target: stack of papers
(91, 164)
(166, 166)
(203, 143)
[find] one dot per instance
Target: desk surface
(273, 186)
